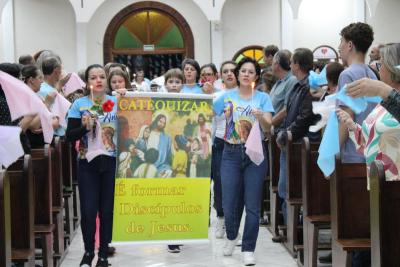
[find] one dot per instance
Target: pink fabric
(97, 236)
(21, 101)
(254, 146)
(10, 145)
(74, 83)
(95, 145)
(60, 109)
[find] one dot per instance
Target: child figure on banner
(148, 169)
(180, 161)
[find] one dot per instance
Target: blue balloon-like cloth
(317, 79)
(330, 146)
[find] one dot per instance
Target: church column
(81, 45)
(359, 11)
(7, 33)
(286, 26)
(216, 40)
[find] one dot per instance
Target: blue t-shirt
(237, 110)
(353, 73)
(44, 90)
(196, 89)
(108, 122)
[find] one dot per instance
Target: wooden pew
(316, 202)
(74, 173)
(5, 220)
(385, 218)
(67, 193)
(275, 202)
(57, 202)
(293, 193)
(21, 180)
(44, 227)
(350, 217)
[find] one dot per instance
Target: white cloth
(323, 108)
(10, 145)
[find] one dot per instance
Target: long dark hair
(88, 69)
(156, 120)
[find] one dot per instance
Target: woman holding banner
(87, 118)
(242, 179)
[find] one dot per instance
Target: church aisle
(196, 255)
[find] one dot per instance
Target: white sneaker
(220, 228)
(230, 246)
(248, 258)
(239, 242)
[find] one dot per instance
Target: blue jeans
(242, 186)
(282, 183)
(96, 182)
(217, 149)
(361, 259)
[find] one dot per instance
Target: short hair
(282, 57)
(227, 62)
(360, 34)
(270, 50)
(12, 69)
(110, 65)
(304, 57)
(151, 155)
(49, 64)
(268, 79)
(194, 64)
(247, 60)
(26, 60)
(333, 71)
(173, 73)
(211, 66)
(390, 57)
(123, 74)
(29, 71)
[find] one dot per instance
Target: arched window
(148, 35)
(253, 51)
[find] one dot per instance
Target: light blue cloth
(330, 146)
(358, 105)
(196, 89)
(316, 80)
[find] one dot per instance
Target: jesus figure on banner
(160, 141)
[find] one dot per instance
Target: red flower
(108, 106)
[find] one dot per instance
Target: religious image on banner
(163, 139)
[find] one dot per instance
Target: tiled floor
(194, 255)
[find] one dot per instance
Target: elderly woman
(378, 137)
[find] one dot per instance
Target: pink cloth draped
(74, 83)
(254, 146)
(21, 101)
(60, 109)
(95, 145)
(10, 145)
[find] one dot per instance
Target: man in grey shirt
(285, 83)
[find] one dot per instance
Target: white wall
(251, 22)
(386, 22)
(46, 24)
(189, 10)
(7, 49)
(320, 22)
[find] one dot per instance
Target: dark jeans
(96, 181)
(361, 259)
(217, 149)
(242, 186)
(282, 183)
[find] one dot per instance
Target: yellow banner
(162, 190)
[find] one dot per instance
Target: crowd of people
(276, 96)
